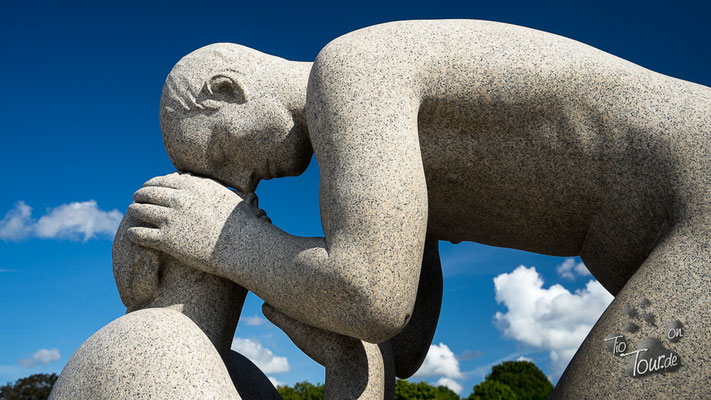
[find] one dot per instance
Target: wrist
(244, 247)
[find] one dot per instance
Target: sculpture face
(231, 145)
(215, 127)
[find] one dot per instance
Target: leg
(675, 280)
(355, 369)
(249, 380)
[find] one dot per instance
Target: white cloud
(42, 356)
(440, 361)
(551, 319)
(69, 221)
(17, 223)
(569, 269)
(274, 381)
(451, 384)
(73, 219)
(260, 356)
(522, 358)
(254, 320)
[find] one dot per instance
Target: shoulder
(413, 37)
(359, 48)
(367, 61)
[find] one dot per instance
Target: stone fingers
(160, 196)
(146, 237)
(184, 180)
(149, 213)
(169, 181)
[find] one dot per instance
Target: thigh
(653, 340)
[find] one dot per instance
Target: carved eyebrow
(173, 93)
(179, 89)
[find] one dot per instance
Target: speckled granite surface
(458, 130)
(152, 353)
(173, 344)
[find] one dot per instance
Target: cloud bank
(73, 221)
(42, 356)
(552, 319)
(441, 362)
(254, 320)
(569, 269)
(451, 384)
(275, 381)
(261, 356)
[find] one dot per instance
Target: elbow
(384, 313)
(375, 296)
(383, 329)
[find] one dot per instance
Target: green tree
(492, 390)
(405, 390)
(445, 393)
(302, 391)
(34, 387)
(522, 379)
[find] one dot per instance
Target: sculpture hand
(187, 214)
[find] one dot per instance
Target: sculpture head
(232, 113)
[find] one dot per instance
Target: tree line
(510, 380)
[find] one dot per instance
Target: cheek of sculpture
(187, 143)
(262, 138)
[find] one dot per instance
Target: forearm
(330, 289)
(361, 282)
(365, 373)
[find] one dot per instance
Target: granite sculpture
(170, 305)
(447, 130)
(174, 342)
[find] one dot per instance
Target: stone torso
(533, 141)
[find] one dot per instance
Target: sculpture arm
(361, 279)
(362, 118)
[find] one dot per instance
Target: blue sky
(79, 134)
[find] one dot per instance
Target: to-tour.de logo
(650, 355)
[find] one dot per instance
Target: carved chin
(247, 183)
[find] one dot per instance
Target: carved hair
(184, 86)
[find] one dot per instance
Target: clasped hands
(185, 215)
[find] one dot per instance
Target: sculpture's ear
(225, 86)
